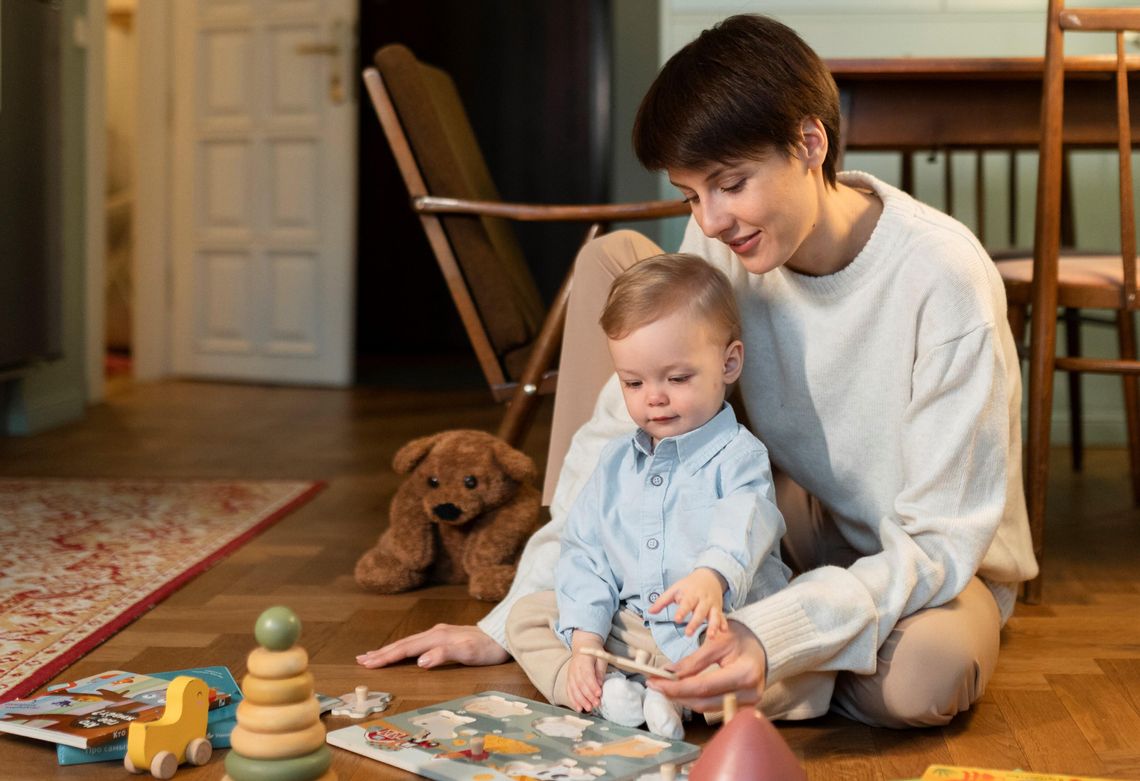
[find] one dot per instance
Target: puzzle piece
(360, 703)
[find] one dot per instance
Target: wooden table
(939, 103)
(913, 104)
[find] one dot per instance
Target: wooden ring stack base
(279, 735)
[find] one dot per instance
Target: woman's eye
(470, 481)
(433, 482)
(734, 187)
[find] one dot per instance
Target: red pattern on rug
(81, 559)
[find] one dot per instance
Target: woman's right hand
(441, 644)
(742, 664)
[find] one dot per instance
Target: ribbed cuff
(784, 630)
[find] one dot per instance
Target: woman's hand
(584, 676)
(742, 664)
(441, 644)
(698, 594)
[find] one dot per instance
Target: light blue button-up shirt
(648, 517)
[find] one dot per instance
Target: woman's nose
(713, 219)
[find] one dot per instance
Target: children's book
(91, 711)
(494, 736)
(217, 732)
(225, 694)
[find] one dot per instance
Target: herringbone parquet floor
(1065, 698)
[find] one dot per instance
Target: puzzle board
(521, 739)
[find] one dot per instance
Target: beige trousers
(934, 663)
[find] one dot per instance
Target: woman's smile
(746, 244)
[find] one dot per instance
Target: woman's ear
(813, 141)
(733, 361)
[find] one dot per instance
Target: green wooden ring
(277, 628)
(303, 768)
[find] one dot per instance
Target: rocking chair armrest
(528, 212)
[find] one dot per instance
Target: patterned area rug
(81, 559)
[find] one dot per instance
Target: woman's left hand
(742, 664)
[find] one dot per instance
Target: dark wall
(534, 77)
(31, 262)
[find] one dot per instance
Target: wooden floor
(1065, 697)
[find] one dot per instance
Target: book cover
(217, 732)
(91, 711)
(492, 736)
(87, 712)
(225, 694)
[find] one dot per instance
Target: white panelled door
(264, 190)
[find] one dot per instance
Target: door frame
(149, 311)
(90, 32)
(150, 263)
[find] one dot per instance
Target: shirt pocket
(695, 499)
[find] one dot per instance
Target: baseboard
(24, 417)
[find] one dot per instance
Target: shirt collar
(695, 448)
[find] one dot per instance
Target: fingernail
(422, 661)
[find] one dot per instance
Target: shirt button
(652, 544)
(653, 595)
(657, 480)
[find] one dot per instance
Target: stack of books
(88, 719)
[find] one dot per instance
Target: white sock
(622, 701)
(662, 717)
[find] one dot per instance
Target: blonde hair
(658, 286)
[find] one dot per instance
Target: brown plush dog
(462, 515)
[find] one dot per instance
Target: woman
(880, 374)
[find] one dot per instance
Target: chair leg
(1073, 349)
(1042, 350)
(1126, 332)
(522, 406)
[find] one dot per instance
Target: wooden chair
(515, 337)
(1106, 282)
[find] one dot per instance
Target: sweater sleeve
(540, 556)
(955, 442)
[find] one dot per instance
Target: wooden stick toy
(637, 665)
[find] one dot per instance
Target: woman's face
(763, 208)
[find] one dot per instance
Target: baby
(678, 523)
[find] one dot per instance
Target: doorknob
(333, 50)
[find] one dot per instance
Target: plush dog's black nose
(446, 512)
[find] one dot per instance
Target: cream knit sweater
(891, 391)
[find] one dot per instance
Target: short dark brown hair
(659, 286)
(741, 88)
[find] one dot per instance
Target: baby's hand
(699, 595)
(584, 676)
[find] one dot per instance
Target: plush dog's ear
(411, 454)
(516, 465)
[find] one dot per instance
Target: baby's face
(673, 373)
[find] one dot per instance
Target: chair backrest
(1048, 229)
(438, 154)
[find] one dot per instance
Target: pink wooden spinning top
(746, 747)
